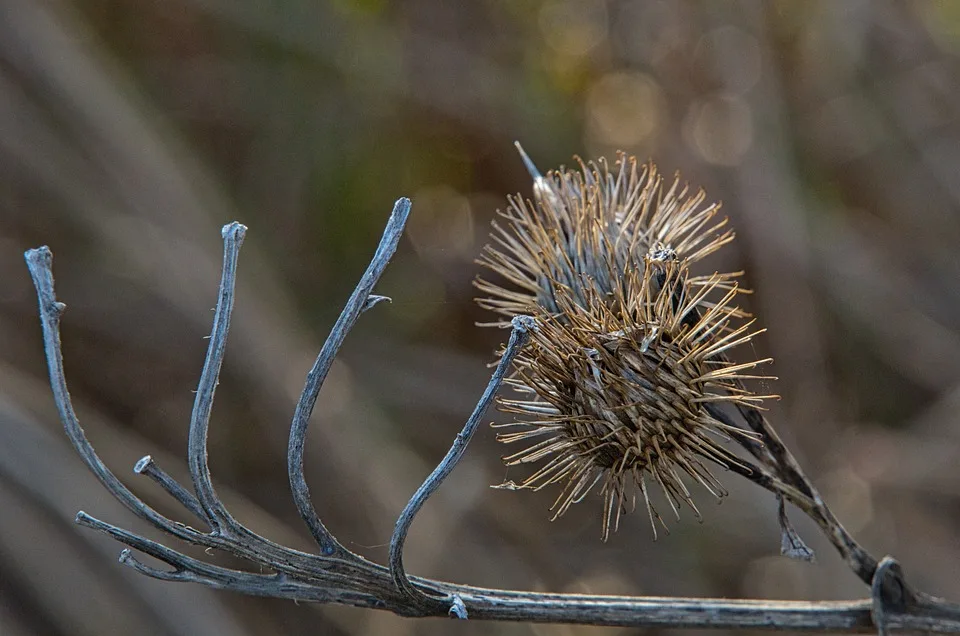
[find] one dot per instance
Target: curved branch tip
(142, 464)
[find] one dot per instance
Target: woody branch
(337, 575)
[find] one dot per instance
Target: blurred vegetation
(131, 130)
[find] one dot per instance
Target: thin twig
(215, 513)
(359, 301)
(781, 473)
(522, 325)
(39, 262)
(146, 466)
(863, 564)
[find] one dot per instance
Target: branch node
(128, 559)
(142, 465)
(235, 230)
(889, 592)
(458, 608)
(524, 324)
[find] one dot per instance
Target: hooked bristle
(616, 385)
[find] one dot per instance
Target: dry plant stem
(39, 262)
(788, 471)
(247, 544)
(358, 302)
(221, 522)
(146, 466)
(349, 579)
(780, 473)
(518, 338)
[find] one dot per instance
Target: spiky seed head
(632, 350)
(595, 222)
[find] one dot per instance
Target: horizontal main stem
(374, 589)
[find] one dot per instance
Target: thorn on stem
(373, 300)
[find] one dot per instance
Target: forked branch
(336, 575)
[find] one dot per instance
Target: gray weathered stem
(39, 262)
(518, 338)
(360, 300)
(214, 511)
(146, 466)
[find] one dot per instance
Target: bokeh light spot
(623, 108)
(573, 28)
(734, 54)
(719, 129)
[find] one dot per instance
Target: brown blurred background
(131, 130)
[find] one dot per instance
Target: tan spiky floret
(619, 387)
(595, 222)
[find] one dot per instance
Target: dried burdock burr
(594, 224)
(616, 385)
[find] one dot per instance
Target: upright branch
(522, 325)
(360, 300)
(336, 575)
(214, 513)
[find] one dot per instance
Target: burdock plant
(617, 384)
(622, 356)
